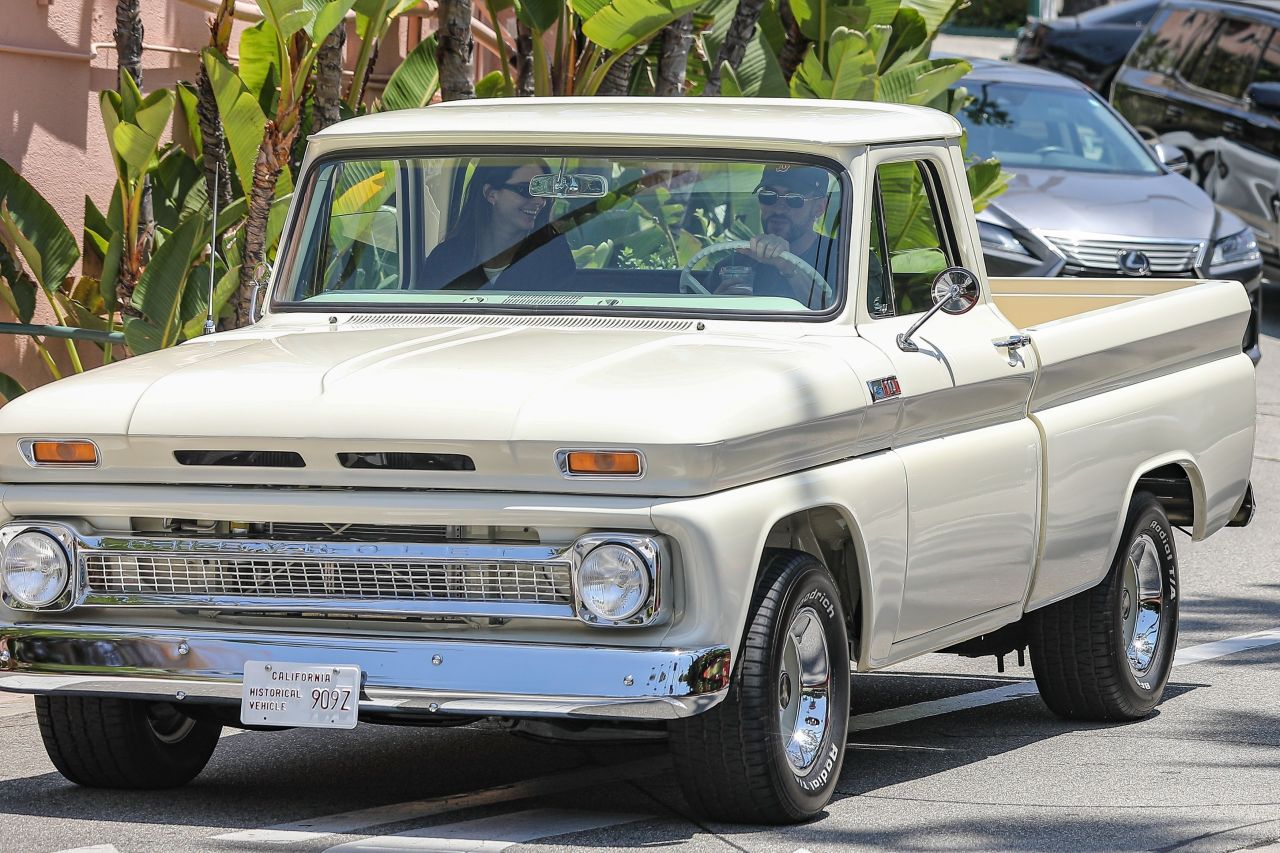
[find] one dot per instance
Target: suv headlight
(35, 569)
(1239, 248)
(613, 582)
(999, 238)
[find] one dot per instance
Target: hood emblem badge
(1133, 262)
(883, 389)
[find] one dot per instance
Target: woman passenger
(502, 239)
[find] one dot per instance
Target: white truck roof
(777, 123)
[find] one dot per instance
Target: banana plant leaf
(10, 388)
(415, 82)
(243, 121)
(29, 224)
(159, 292)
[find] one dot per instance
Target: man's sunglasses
(771, 197)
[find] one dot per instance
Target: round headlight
(35, 569)
(613, 581)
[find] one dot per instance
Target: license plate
(300, 694)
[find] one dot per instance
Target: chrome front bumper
(401, 676)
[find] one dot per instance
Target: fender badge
(883, 389)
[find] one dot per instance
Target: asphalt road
(945, 754)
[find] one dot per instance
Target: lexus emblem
(1133, 262)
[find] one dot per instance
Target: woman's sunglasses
(520, 189)
(771, 197)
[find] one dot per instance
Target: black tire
(1079, 648)
(731, 760)
(124, 743)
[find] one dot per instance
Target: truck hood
(708, 410)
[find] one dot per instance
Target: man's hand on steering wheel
(768, 249)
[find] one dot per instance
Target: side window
(1268, 70)
(1227, 63)
(912, 232)
(1170, 38)
(361, 249)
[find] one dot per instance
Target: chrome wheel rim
(167, 723)
(804, 688)
(1142, 603)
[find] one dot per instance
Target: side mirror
(1263, 98)
(1171, 156)
(955, 291)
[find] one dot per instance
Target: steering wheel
(690, 284)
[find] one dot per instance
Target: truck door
(972, 457)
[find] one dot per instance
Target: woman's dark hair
(474, 216)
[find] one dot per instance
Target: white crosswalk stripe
(488, 834)
(353, 821)
(963, 702)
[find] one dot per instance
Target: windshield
(1049, 128)
(570, 232)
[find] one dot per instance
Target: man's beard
(780, 226)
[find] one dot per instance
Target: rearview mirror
(568, 185)
(1263, 98)
(1171, 156)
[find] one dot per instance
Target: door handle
(1012, 344)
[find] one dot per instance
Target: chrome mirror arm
(904, 338)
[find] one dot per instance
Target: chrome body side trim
(401, 676)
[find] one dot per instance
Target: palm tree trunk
(676, 39)
(617, 81)
(328, 82)
(273, 158)
(457, 69)
(741, 30)
(793, 49)
(213, 141)
(524, 60)
(128, 36)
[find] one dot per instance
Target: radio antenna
(209, 326)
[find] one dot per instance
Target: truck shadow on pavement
(262, 779)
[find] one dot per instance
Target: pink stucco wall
(52, 132)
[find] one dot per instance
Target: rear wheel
(124, 743)
(1106, 653)
(772, 750)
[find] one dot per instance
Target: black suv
(1204, 77)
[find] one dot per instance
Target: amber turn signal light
(602, 463)
(64, 453)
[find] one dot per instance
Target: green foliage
(32, 229)
(10, 388)
(415, 82)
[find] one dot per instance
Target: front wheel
(124, 743)
(1106, 653)
(772, 750)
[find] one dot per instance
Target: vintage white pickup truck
(627, 417)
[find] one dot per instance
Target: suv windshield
(1042, 127)
(587, 232)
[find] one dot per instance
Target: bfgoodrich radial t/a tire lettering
(1106, 653)
(771, 752)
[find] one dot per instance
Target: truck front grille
(352, 579)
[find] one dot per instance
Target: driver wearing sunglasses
(792, 200)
